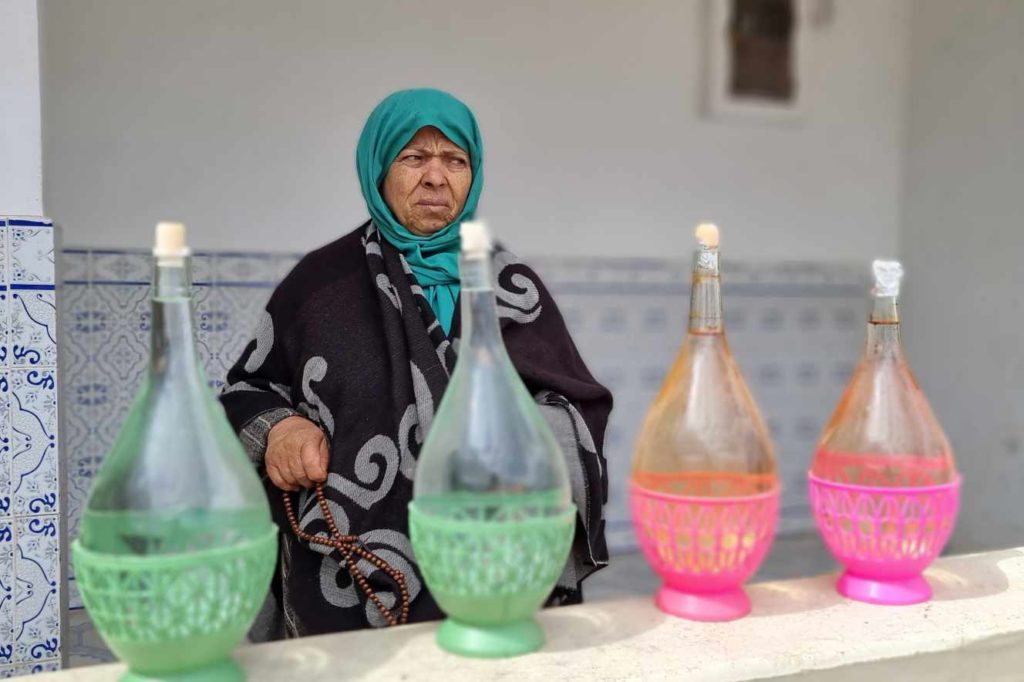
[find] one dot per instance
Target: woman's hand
(297, 454)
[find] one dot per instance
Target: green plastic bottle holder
(177, 617)
(490, 562)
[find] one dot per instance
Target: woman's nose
(433, 174)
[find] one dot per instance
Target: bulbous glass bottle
(883, 483)
(883, 432)
(492, 517)
(177, 545)
(704, 483)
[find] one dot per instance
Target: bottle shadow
(803, 595)
(971, 576)
(312, 658)
(599, 624)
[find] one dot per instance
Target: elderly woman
(351, 358)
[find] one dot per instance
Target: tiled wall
(30, 495)
(105, 342)
(796, 330)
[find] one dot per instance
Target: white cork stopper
(707, 235)
(476, 239)
(170, 241)
(888, 274)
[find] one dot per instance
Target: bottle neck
(480, 325)
(172, 348)
(884, 328)
(706, 294)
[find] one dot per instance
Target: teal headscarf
(435, 259)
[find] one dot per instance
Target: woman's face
(428, 182)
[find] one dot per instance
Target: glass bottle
(177, 545)
(492, 517)
(883, 485)
(704, 495)
(704, 434)
(884, 433)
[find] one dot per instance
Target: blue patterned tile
(613, 377)
(809, 319)
(81, 471)
(574, 319)
(122, 316)
(4, 248)
(614, 321)
(83, 463)
(807, 428)
(5, 326)
(808, 374)
(91, 417)
(768, 375)
(244, 268)
(652, 377)
(7, 587)
(6, 447)
(33, 326)
(122, 350)
(848, 317)
(225, 320)
(771, 320)
(202, 268)
(284, 263)
(87, 393)
(82, 324)
(30, 251)
(841, 371)
(74, 266)
(121, 266)
(614, 438)
(33, 408)
(37, 594)
(30, 669)
(655, 320)
(205, 307)
(735, 317)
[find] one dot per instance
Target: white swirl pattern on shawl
(521, 304)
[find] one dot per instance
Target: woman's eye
(412, 157)
(459, 162)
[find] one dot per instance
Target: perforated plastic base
(490, 561)
(885, 537)
(177, 617)
(704, 548)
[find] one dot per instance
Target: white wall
(241, 118)
(21, 172)
(963, 244)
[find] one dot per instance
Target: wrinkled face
(428, 182)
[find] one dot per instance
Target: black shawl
(348, 341)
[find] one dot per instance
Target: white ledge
(972, 629)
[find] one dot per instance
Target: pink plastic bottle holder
(704, 548)
(884, 537)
